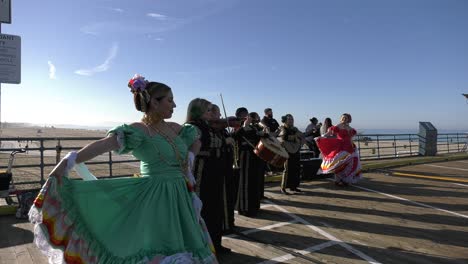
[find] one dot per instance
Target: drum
(270, 150)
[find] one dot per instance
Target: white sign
(10, 58)
(5, 11)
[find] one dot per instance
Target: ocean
(372, 131)
(407, 131)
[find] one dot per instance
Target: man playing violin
(218, 126)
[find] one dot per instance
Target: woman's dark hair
(327, 122)
(241, 110)
(215, 106)
(152, 90)
(313, 120)
(285, 118)
(253, 115)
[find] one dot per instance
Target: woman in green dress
(151, 219)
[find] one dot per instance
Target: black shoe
(283, 191)
(222, 250)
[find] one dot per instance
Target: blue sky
(388, 63)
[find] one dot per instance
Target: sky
(389, 63)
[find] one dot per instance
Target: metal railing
(381, 146)
(452, 142)
(43, 153)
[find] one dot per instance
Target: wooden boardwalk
(409, 214)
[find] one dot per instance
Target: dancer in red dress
(339, 154)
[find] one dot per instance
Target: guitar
(293, 146)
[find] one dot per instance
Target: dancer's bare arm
(88, 152)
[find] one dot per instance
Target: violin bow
(224, 110)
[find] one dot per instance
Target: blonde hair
(197, 108)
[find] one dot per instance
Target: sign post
(5, 17)
(5, 11)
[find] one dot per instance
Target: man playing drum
(252, 167)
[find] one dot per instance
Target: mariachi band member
(272, 127)
(252, 168)
(209, 166)
(262, 132)
(269, 122)
(219, 127)
(292, 140)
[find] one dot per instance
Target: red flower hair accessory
(137, 84)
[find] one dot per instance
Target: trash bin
(427, 139)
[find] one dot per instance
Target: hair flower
(137, 83)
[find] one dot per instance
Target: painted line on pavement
(445, 167)
(428, 177)
(410, 201)
(302, 252)
(327, 235)
(460, 184)
(263, 228)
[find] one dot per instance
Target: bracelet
(71, 158)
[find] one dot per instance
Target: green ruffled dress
(150, 219)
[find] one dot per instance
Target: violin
(223, 123)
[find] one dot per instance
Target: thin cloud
(159, 23)
(154, 38)
(118, 10)
(104, 66)
(120, 27)
(52, 70)
(157, 16)
(89, 30)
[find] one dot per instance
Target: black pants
(291, 174)
(208, 172)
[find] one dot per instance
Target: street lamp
(466, 96)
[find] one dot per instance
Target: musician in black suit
(209, 167)
(269, 122)
(272, 127)
(230, 186)
(292, 140)
(251, 167)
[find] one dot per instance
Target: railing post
(410, 141)
(42, 161)
(394, 146)
(58, 150)
(448, 144)
(110, 163)
(378, 147)
(359, 145)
